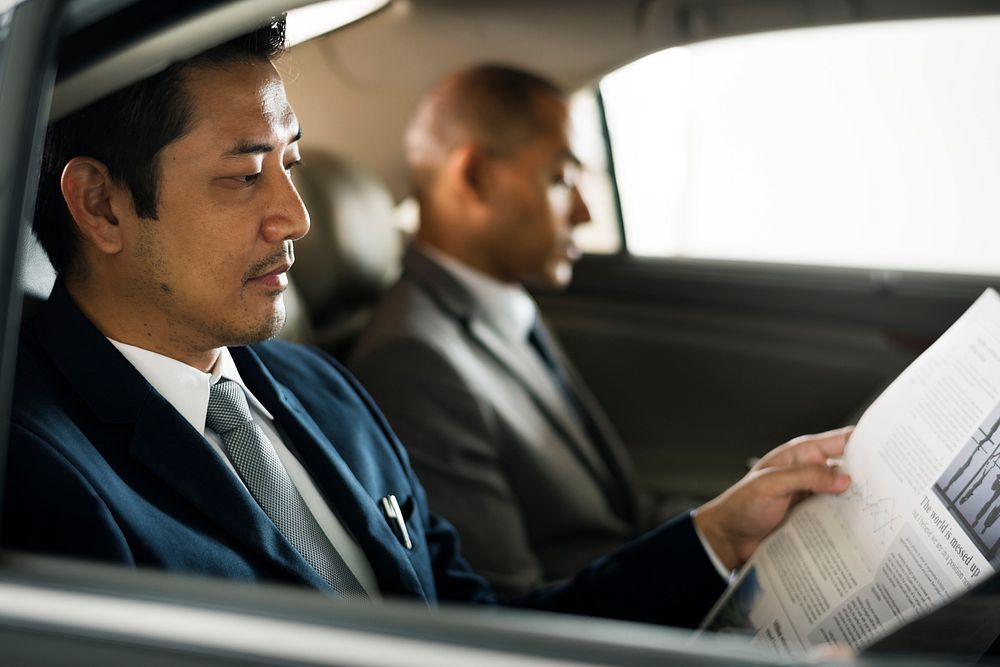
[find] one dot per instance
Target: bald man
(508, 442)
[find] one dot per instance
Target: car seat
(352, 252)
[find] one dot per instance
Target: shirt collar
(507, 307)
(185, 387)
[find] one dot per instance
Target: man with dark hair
(152, 427)
(502, 432)
(125, 131)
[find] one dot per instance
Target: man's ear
(92, 198)
(469, 174)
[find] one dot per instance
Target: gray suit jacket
(491, 437)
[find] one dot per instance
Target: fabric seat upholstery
(352, 252)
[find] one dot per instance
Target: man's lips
(275, 276)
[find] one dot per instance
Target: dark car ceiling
(94, 30)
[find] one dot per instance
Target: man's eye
(249, 179)
(568, 177)
(565, 180)
(293, 165)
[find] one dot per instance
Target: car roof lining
(187, 33)
(95, 60)
(371, 80)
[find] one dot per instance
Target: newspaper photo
(920, 523)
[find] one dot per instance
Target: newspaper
(920, 523)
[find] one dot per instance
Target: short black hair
(126, 132)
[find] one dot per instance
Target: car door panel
(704, 365)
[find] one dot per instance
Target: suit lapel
(454, 299)
(167, 445)
(163, 442)
(612, 450)
(603, 459)
(356, 508)
(542, 390)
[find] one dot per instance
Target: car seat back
(352, 252)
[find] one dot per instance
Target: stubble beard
(230, 333)
(191, 330)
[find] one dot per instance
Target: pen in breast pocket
(395, 516)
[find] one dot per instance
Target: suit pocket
(406, 506)
(397, 514)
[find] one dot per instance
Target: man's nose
(579, 213)
(288, 219)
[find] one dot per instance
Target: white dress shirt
(511, 311)
(186, 388)
(508, 308)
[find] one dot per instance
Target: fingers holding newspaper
(736, 521)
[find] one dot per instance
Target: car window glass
(869, 145)
(602, 234)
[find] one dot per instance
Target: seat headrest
(35, 274)
(352, 252)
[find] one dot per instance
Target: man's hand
(735, 522)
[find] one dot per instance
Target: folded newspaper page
(920, 523)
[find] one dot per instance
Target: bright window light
(311, 21)
(873, 145)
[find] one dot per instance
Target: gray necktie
(265, 477)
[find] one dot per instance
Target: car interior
(666, 345)
(703, 363)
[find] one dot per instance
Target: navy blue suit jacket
(101, 466)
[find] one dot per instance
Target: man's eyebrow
(571, 157)
(250, 147)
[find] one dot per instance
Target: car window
(602, 234)
(869, 145)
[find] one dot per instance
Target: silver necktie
(265, 477)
